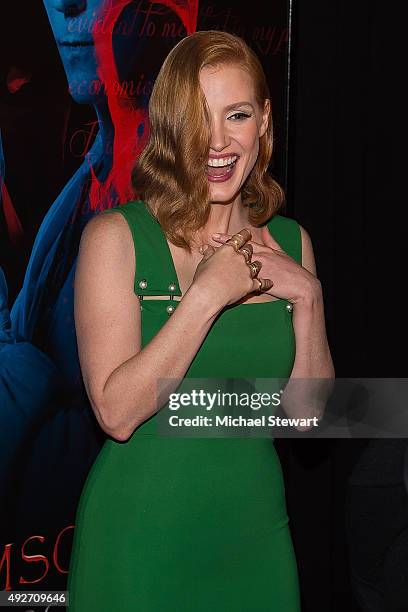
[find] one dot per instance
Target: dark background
(344, 186)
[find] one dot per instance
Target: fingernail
(217, 235)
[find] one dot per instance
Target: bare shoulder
(108, 233)
(106, 308)
(106, 258)
(308, 259)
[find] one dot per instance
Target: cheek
(253, 150)
(250, 141)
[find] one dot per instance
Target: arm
(120, 377)
(313, 358)
(313, 362)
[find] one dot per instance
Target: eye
(239, 116)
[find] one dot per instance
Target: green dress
(168, 524)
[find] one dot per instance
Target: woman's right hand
(223, 276)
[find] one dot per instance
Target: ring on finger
(239, 239)
(255, 267)
(247, 251)
(264, 284)
(245, 235)
(235, 242)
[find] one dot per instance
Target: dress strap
(287, 233)
(155, 271)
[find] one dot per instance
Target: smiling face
(237, 123)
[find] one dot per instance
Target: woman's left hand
(291, 281)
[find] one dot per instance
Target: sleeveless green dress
(168, 524)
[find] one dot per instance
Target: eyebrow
(230, 106)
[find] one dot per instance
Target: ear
(265, 117)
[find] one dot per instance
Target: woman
(170, 288)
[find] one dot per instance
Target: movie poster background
(55, 175)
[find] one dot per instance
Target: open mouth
(221, 169)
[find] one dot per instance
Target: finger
(244, 235)
(268, 240)
(210, 250)
(262, 284)
(221, 237)
(255, 268)
(247, 251)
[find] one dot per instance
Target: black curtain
(345, 187)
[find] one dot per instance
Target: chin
(223, 196)
(225, 192)
(219, 200)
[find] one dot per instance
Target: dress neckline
(172, 265)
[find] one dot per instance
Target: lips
(221, 173)
(221, 165)
(217, 171)
(222, 155)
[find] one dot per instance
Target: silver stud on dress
(289, 307)
(143, 284)
(170, 309)
(172, 287)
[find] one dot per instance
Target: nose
(70, 8)
(219, 135)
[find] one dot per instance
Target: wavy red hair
(169, 173)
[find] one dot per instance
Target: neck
(224, 219)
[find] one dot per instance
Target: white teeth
(223, 161)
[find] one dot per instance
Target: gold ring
(247, 251)
(235, 242)
(255, 267)
(264, 284)
(239, 239)
(245, 234)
